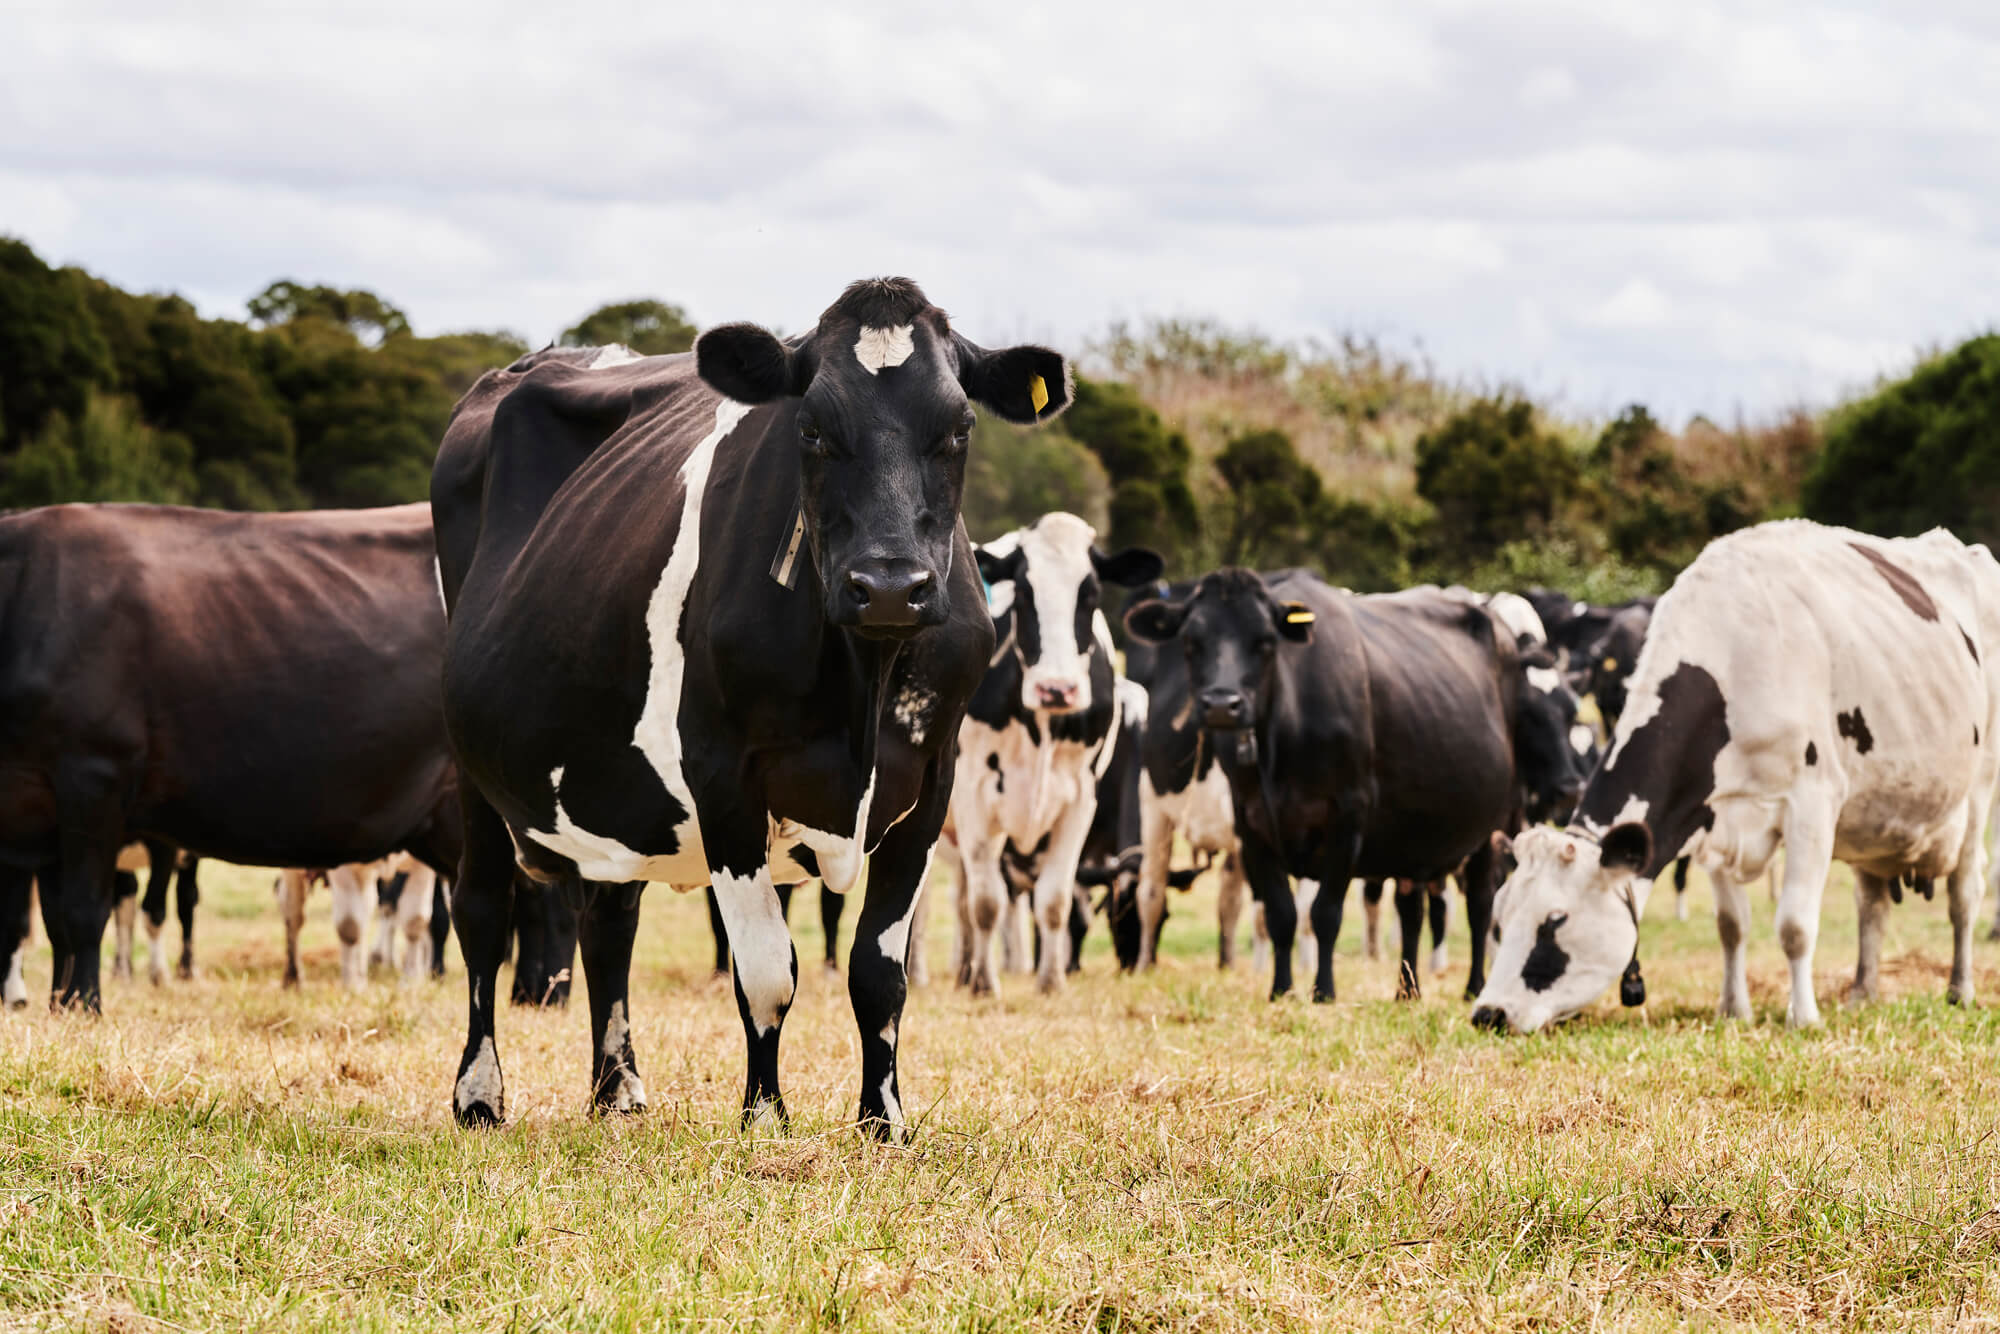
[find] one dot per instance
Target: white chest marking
(1544, 679)
(876, 348)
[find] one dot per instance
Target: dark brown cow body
(260, 688)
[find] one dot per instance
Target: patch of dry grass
(1154, 1152)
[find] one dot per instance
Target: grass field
(1170, 1151)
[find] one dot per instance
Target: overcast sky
(1703, 206)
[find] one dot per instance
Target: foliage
(1014, 475)
(1273, 505)
(363, 314)
(650, 328)
(1146, 462)
(107, 453)
(1493, 472)
(1919, 452)
(51, 352)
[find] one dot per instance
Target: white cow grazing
(1040, 730)
(1810, 686)
(354, 901)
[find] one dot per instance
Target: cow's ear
(997, 568)
(1628, 847)
(1128, 568)
(1155, 622)
(746, 363)
(1295, 621)
(1023, 385)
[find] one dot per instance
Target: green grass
(1136, 1153)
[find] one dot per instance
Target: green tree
(650, 328)
(1918, 453)
(106, 454)
(362, 313)
(52, 354)
(1272, 502)
(1494, 474)
(1151, 503)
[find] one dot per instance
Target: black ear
(997, 569)
(1131, 567)
(1023, 385)
(1155, 622)
(745, 363)
(1295, 621)
(1628, 847)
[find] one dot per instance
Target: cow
(1372, 736)
(714, 621)
(1040, 732)
(1803, 686)
(261, 688)
(352, 886)
(162, 864)
(394, 911)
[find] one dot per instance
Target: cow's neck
(1661, 769)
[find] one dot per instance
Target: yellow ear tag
(1298, 618)
(1611, 664)
(1038, 393)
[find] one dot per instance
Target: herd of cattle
(713, 620)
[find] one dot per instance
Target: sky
(1727, 208)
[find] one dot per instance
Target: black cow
(261, 688)
(1611, 654)
(1374, 736)
(684, 592)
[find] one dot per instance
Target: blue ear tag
(985, 588)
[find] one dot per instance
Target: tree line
(1212, 445)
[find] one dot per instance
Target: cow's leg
(767, 967)
(125, 914)
(1968, 881)
(1079, 927)
(353, 890)
(1479, 882)
(1371, 917)
(16, 882)
(482, 903)
(1229, 896)
(1410, 897)
(1732, 925)
(1305, 896)
(1055, 889)
(81, 903)
(160, 870)
(606, 925)
(1808, 833)
(292, 887)
(546, 923)
(719, 932)
(830, 905)
(1871, 907)
(1681, 888)
(1156, 849)
(983, 890)
(876, 965)
(440, 926)
(413, 920)
(1440, 906)
(1273, 891)
(1017, 915)
(187, 893)
(919, 973)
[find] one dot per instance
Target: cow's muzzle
(1491, 1018)
(1224, 709)
(1058, 696)
(889, 596)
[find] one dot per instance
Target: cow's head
(1565, 924)
(884, 389)
(1230, 628)
(1550, 746)
(1611, 657)
(1049, 578)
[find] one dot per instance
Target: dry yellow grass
(1169, 1151)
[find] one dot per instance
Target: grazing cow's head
(885, 389)
(1047, 582)
(1551, 748)
(1611, 657)
(1230, 628)
(1565, 924)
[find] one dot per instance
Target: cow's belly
(1022, 787)
(1915, 826)
(1204, 812)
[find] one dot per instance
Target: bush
(1014, 475)
(107, 453)
(1151, 503)
(1494, 475)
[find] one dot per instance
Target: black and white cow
(714, 620)
(164, 865)
(1041, 731)
(1374, 736)
(1806, 686)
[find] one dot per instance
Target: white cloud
(1699, 206)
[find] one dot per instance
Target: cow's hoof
(1957, 995)
(627, 1098)
(1322, 997)
(17, 1003)
(1860, 994)
(291, 981)
(832, 968)
(477, 1116)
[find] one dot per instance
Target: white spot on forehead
(613, 354)
(876, 348)
(1544, 679)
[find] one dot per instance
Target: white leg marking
(353, 895)
(14, 991)
(481, 1080)
(894, 942)
(156, 954)
(630, 1095)
(760, 942)
(121, 950)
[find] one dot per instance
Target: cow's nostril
(1491, 1018)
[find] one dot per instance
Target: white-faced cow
(714, 620)
(1374, 736)
(261, 688)
(1806, 686)
(1041, 729)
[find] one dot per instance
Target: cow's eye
(961, 436)
(1267, 647)
(810, 437)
